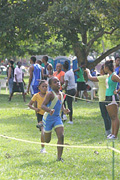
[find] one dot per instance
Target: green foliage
(77, 26)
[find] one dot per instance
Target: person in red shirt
(60, 75)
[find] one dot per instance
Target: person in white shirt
(18, 81)
(69, 86)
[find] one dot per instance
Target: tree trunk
(80, 53)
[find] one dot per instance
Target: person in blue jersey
(112, 98)
(51, 118)
(35, 71)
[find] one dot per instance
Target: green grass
(23, 161)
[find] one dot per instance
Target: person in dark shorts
(112, 97)
(18, 81)
(69, 86)
(81, 85)
(39, 98)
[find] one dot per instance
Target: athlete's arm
(31, 107)
(90, 77)
(30, 78)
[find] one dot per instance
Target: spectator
(48, 70)
(18, 81)
(117, 68)
(10, 75)
(60, 75)
(112, 98)
(102, 89)
(35, 71)
(81, 85)
(69, 86)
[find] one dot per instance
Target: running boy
(39, 98)
(52, 105)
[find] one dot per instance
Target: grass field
(23, 161)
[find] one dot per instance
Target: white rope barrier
(60, 145)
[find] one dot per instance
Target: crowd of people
(52, 91)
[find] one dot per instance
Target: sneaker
(64, 117)
(61, 159)
(43, 150)
(39, 126)
(109, 136)
(70, 122)
(112, 137)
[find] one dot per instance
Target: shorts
(18, 88)
(34, 89)
(52, 123)
(81, 86)
(114, 99)
(39, 117)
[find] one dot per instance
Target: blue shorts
(34, 89)
(52, 123)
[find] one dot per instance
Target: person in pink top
(18, 81)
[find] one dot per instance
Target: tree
(44, 25)
(84, 22)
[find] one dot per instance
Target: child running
(39, 98)
(52, 105)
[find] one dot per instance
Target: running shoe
(70, 122)
(43, 151)
(61, 159)
(112, 137)
(64, 117)
(39, 126)
(109, 136)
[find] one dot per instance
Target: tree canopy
(55, 26)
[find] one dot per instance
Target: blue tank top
(36, 74)
(56, 104)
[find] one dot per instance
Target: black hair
(19, 62)
(11, 61)
(39, 61)
(45, 58)
(51, 79)
(41, 82)
(110, 65)
(33, 58)
(116, 57)
(66, 65)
